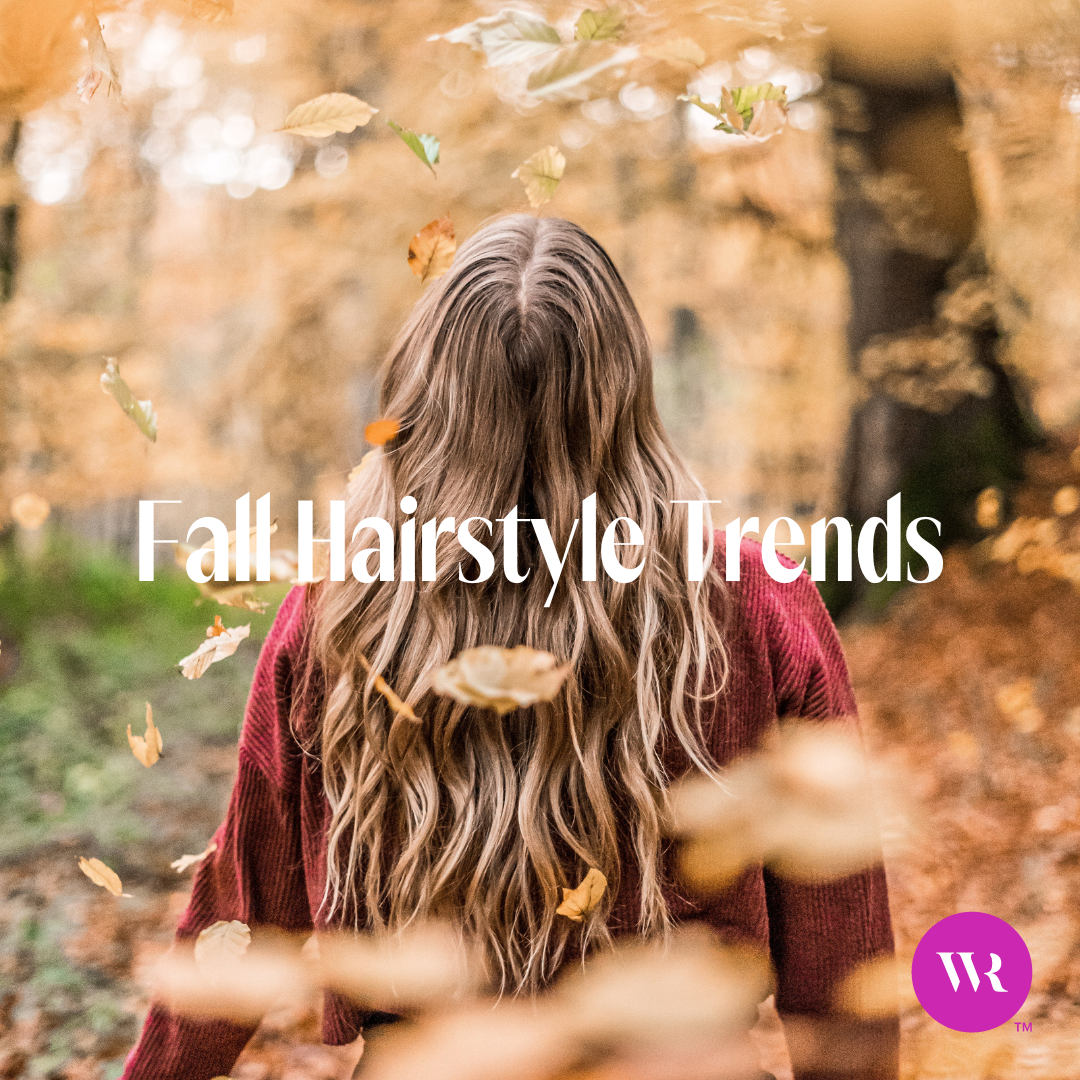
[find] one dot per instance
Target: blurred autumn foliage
(881, 297)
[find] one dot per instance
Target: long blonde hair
(523, 377)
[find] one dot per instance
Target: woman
(522, 379)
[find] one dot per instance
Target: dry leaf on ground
(328, 114)
(380, 432)
(577, 903)
(221, 642)
(30, 510)
(185, 861)
(221, 942)
(102, 875)
(146, 748)
(139, 411)
(501, 679)
(431, 250)
(541, 174)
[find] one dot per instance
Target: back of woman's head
(522, 378)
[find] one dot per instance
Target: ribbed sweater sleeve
(255, 875)
(819, 933)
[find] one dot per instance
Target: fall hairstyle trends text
(522, 377)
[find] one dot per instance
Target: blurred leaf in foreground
(510, 37)
(100, 64)
(501, 679)
(380, 432)
(431, 250)
(222, 941)
(541, 174)
(327, 114)
(365, 461)
(425, 147)
(139, 411)
(146, 748)
(30, 510)
(599, 25)
(577, 903)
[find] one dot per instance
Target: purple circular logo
(971, 971)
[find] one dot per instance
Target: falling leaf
(676, 50)
(988, 508)
(185, 861)
(326, 114)
(501, 679)
(757, 112)
(541, 174)
(599, 26)
(365, 461)
(431, 250)
(101, 875)
(100, 65)
(221, 943)
(30, 510)
(508, 38)
(871, 991)
(577, 903)
(425, 147)
(384, 688)
(146, 749)
(139, 411)
(568, 69)
(1066, 501)
(222, 642)
(380, 432)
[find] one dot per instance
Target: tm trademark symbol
(1021, 1026)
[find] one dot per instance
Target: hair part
(523, 377)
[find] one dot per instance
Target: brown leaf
(221, 642)
(501, 679)
(185, 861)
(30, 510)
(146, 749)
(101, 875)
(769, 119)
(431, 250)
(380, 432)
(384, 688)
(327, 114)
(577, 903)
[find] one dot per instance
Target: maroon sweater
(270, 863)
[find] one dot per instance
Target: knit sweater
(269, 868)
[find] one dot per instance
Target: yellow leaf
(676, 50)
(431, 250)
(541, 174)
(181, 864)
(101, 875)
(384, 688)
(577, 903)
(599, 25)
(501, 679)
(221, 642)
(380, 432)
(146, 749)
(30, 510)
(221, 943)
(326, 114)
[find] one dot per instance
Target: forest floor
(969, 689)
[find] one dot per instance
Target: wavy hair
(523, 377)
